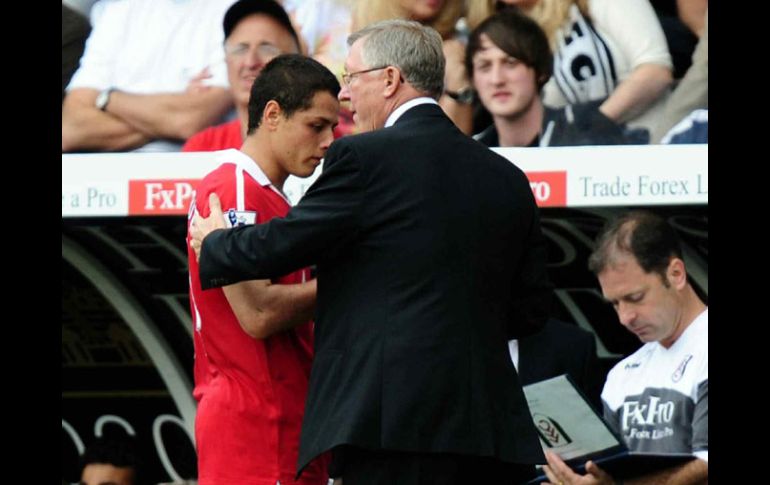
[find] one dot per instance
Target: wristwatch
(463, 96)
(103, 98)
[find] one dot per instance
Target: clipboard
(568, 426)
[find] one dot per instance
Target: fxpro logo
(549, 188)
(654, 412)
(160, 197)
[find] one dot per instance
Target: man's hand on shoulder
(202, 226)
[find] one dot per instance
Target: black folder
(568, 414)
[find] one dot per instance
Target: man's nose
(496, 74)
(626, 314)
(328, 139)
(344, 94)
(253, 59)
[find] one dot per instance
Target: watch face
(465, 96)
(101, 100)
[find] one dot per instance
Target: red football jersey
(250, 392)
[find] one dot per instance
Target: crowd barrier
(142, 184)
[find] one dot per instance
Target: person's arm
(84, 127)
(559, 473)
(326, 219)
(692, 13)
(455, 80)
(646, 83)
(171, 115)
(635, 30)
(460, 114)
(263, 308)
(694, 472)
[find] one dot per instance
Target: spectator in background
(613, 51)
(74, 32)
(254, 340)
(509, 62)
(136, 87)
(112, 461)
(692, 92)
(638, 261)
(256, 31)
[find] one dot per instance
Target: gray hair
(415, 49)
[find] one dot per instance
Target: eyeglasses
(347, 77)
(266, 51)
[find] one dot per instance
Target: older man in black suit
(429, 258)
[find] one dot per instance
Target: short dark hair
(292, 80)
(118, 451)
(648, 237)
(518, 36)
(243, 8)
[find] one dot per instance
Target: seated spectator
(509, 62)
(657, 398)
(613, 51)
(140, 85)
(112, 461)
(256, 32)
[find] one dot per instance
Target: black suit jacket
(429, 258)
(562, 348)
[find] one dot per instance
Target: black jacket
(430, 257)
(575, 125)
(562, 348)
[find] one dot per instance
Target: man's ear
(392, 80)
(272, 114)
(676, 273)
